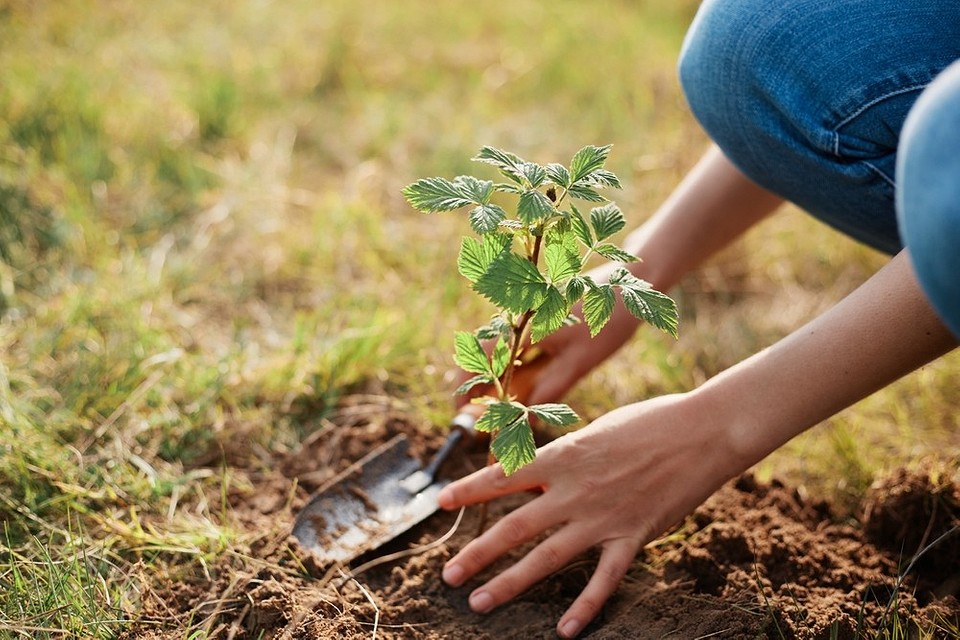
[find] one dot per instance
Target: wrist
(736, 438)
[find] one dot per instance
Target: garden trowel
(375, 499)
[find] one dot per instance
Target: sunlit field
(204, 251)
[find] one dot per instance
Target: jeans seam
(864, 107)
(880, 173)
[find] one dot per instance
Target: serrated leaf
(587, 160)
(498, 327)
(500, 357)
(646, 303)
(583, 191)
(511, 225)
(534, 206)
(476, 190)
(598, 304)
(550, 315)
(513, 283)
(503, 187)
(613, 252)
(486, 217)
(558, 175)
(604, 178)
(514, 447)
(574, 290)
(498, 416)
(561, 262)
(509, 164)
(469, 354)
(475, 381)
(555, 414)
(534, 173)
(580, 226)
(435, 194)
(606, 220)
(476, 255)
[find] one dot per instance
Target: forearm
(712, 206)
(880, 332)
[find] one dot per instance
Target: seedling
(530, 266)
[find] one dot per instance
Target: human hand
(617, 483)
(555, 364)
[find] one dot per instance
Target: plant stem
(503, 388)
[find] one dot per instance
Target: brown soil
(757, 560)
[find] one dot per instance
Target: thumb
(555, 379)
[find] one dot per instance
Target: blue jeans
(809, 97)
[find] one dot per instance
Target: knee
(928, 194)
(928, 162)
(716, 61)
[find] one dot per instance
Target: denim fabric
(928, 195)
(808, 97)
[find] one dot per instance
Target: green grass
(202, 238)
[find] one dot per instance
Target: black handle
(462, 425)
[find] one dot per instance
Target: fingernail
(570, 628)
(481, 601)
(453, 575)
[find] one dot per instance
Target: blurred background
(202, 241)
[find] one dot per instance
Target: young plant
(530, 266)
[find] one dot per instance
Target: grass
(202, 241)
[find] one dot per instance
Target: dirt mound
(756, 560)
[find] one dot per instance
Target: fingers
(614, 562)
(488, 483)
(546, 558)
(512, 530)
(555, 379)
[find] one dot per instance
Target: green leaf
(585, 192)
(580, 226)
(598, 304)
(435, 194)
(534, 206)
(471, 383)
(575, 288)
(587, 160)
(513, 283)
(561, 262)
(514, 447)
(500, 358)
(511, 226)
(476, 255)
(469, 354)
(498, 327)
(477, 190)
(558, 175)
(604, 178)
(555, 414)
(509, 164)
(606, 220)
(486, 217)
(550, 315)
(504, 187)
(498, 416)
(534, 173)
(613, 252)
(646, 303)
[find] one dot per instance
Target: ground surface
(757, 560)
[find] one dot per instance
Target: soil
(758, 559)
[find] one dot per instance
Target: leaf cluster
(530, 265)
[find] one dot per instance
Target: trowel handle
(462, 425)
